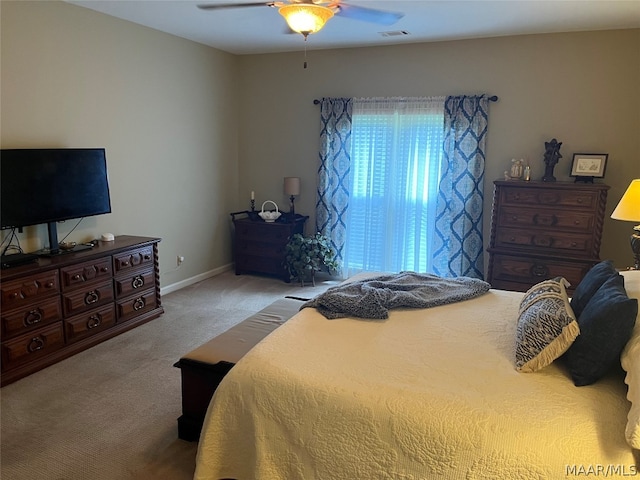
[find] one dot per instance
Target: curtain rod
(493, 98)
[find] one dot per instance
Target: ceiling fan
(309, 16)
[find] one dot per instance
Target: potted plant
(304, 256)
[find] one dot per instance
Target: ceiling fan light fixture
(305, 18)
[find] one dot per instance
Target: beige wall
(190, 130)
(164, 108)
(581, 88)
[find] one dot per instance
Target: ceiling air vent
(394, 33)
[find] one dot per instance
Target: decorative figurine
(551, 157)
(517, 168)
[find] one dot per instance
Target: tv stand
(63, 304)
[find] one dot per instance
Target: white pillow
(630, 360)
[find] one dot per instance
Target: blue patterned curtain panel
(458, 240)
(333, 171)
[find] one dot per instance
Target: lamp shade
(628, 208)
(292, 185)
(305, 18)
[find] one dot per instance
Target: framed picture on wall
(589, 165)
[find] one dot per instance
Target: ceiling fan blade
(216, 6)
(365, 14)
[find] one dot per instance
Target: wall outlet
(179, 260)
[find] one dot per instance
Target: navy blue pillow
(590, 284)
(605, 324)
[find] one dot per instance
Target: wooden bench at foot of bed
(203, 369)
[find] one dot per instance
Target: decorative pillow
(590, 284)
(546, 325)
(605, 328)
(630, 360)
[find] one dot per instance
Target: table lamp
(628, 209)
(292, 188)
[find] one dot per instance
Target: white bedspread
(429, 393)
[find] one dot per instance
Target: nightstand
(259, 246)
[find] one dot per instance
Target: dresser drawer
(32, 346)
(134, 306)
(134, 259)
(85, 299)
(521, 217)
(529, 271)
(89, 323)
(253, 263)
(84, 273)
(264, 232)
(580, 199)
(26, 290)
(134, 283)
(260, 248)
(568, 243)
(16, 322)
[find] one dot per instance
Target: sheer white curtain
(396, 153)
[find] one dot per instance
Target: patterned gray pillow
(546, 326)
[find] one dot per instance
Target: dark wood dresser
(61, 305)
(259, 246)
(542, 230)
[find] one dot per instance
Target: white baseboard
(198, 278)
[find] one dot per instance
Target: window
(396, 152)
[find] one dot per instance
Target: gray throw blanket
(372, 298)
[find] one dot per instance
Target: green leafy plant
(304, 256)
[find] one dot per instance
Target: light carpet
(111, 412)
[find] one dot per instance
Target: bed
(425, 393)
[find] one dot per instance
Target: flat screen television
(45, 186)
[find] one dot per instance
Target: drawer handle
(549, 197)
(138, 303)
(104, 269)
(539, 271)
(13, 296)
(91, 297)
(33, 317)
(576, 222)
(138, 281)
(579, 200)
(514, 218)
(76, 277)
(546, 220)
(125, 263)
(574, 244)
(147, 257)
(35, 344)
(49, 285)
(542, 241)
(94, 321)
